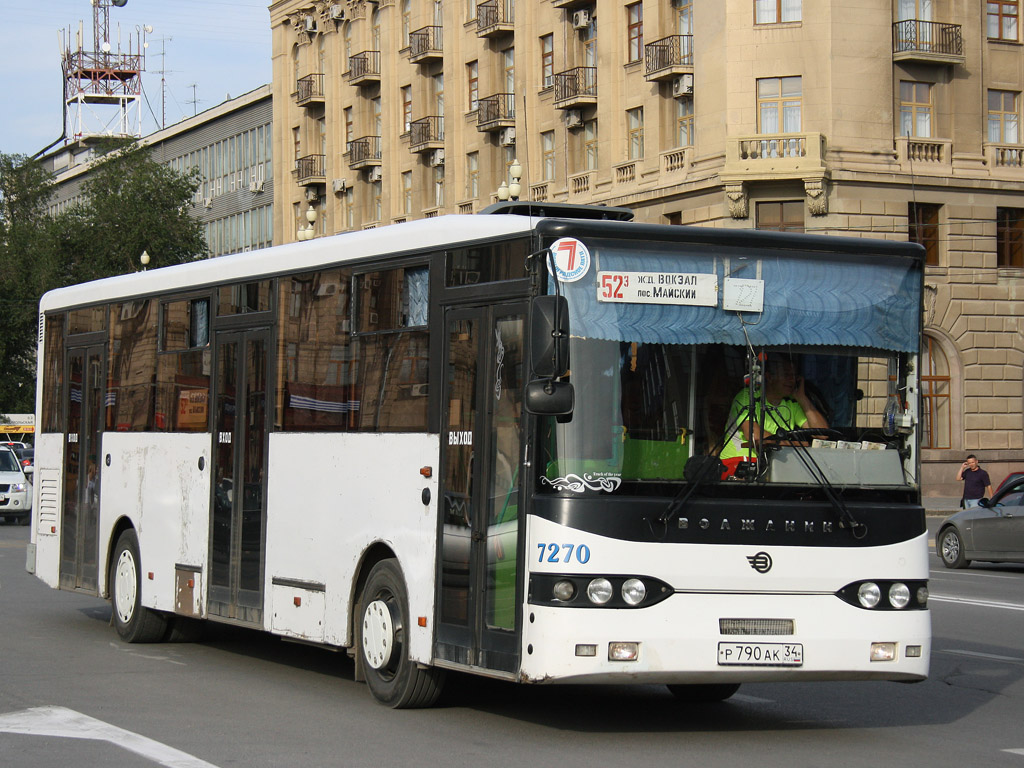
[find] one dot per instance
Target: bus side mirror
(549, 336)
(545, 397)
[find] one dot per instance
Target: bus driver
(788, 408)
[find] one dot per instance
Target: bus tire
(134, 622)
(950, 548)
(394, 679)
(706, 693)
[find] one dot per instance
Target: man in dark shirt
(976, 482)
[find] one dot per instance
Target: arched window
(936, 400)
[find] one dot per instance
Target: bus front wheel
(383, 640)
(134, 622)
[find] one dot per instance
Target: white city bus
(494, 444)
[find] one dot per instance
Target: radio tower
(103, 87)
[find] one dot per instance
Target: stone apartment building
(871, 118)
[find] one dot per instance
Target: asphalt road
(72, 694)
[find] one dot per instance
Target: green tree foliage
(130, 204)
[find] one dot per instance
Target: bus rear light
(883, 651)
(623, 651)
(586, 649)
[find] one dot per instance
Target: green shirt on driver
(787, 415)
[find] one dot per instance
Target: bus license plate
(761, 654)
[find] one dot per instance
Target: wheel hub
(378, 634)
(125, 579)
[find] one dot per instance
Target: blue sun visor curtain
(809, 299)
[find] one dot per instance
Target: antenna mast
(103, 86)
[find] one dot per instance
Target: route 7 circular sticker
(572, 259)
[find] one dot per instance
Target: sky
(220, 46)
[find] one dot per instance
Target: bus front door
(478, 599)
(80, 524)
(238, 505)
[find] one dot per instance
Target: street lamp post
(512, 190)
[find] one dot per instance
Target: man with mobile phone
(976, 482)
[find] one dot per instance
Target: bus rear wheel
(134, 622)
(707, 693)
(383, 642)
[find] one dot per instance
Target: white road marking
(1014, 751)
(750, 699)
(950, 577)
(980, 655)
(979, 603)
(68, 724)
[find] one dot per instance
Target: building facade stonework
(889, 119)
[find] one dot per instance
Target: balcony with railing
(364, 68)
(425, 45)
(310, 170)
(309, 90)
(496, 112)
(775, 156)
(576, 87)
(426, 134)
(364, 152)
(571, 4)
(1004, 156)
(495, 17)
(923, 155)
(927, 41)
(668, 57)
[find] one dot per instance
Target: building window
(915, 109)
(547, 152)
(348, 127)
(439, 186)
(936, 425)
(684, 121)
(547, 61)
(407, 192)
(406, 22)
(406, 108)
(471, 11)
(508, 58)
(473, 84)
(1009, 237)
(684, 16)
(784, 216)
(923, 228)
(776, 11)
(635, 133)
(1003, 117)
(297, 141)
(590, 145)
(376, 189)
(349, 208)
(1002, 20)
(473, 175)
(635, 31)
(437, 85)
(779, 105)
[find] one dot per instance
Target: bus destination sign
(658, 288)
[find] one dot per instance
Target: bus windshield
(815, 382)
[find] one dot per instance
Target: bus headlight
(564, 590)
(899, 595)
(869, 594)
(599, 591)
(633, 591)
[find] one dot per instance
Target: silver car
(15, 488)
(993, 531)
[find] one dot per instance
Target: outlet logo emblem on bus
(572, 259)
(761, 562)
